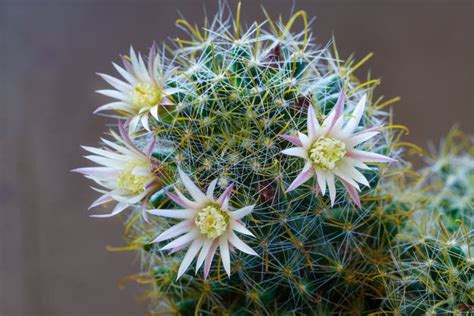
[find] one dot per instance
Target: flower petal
(366, 156)
(210, 256)
(240, 228)
(296, 151)
(195, 192)
(321, 177)
(178, 242)
(242, 212)
(354, 121)
(224, 198)
(358, 138)
(239, 244)
(211, 188)
(304, 176)
(331, 187)
(173, 231)
(204, 252)
(292, 139)
(335, 113)
(225, 255)
(181, 214)
(352, 192)
(189, 256)
(313, 125)
(120, 207)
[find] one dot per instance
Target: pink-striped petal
(304, 176)
(204, 252)
(226, 195)
(336, 112)
(352, 193)
(209, 257)
(292, 139)
(366, 156)
(189, 256)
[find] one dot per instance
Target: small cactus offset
(257, 175)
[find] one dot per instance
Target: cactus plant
(258, 155)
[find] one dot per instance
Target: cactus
(258, 149)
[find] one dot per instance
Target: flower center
(326, 152)
(135, 184)
(145, 95)
(212, 221)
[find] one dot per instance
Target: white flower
(126, 174)
(208, 224)
(330, 153)
(142, 93)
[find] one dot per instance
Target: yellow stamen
(135, 184)
(212, 221)
(146, 95)
(326, 152)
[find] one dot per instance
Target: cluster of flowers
(129, 175)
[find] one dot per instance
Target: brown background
(53, 259)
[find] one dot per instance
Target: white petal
(321, 178)
(144, 121)
(240, 213)
(174, 231)
(181, 214)
(189, 256)
(125, 74)
(195, 192)
(204, 252)
(134, 124)
(154, 111)
(358, 138)
(344, 177)
(240, 228)
(296, 151)
(114, 94)
(356, 116)
(211, 188)
(366, 156)
(186, 238)
(305, 140)
(116, 83)
(114, 106)
(192, 204)
(239, 244)
(312, 124)
(331, 187)
(225, 255)
(120, 207)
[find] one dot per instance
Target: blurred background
(53, 259)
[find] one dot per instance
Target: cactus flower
(330, 151)
(142, 94)
(126, 173)
(207, 224)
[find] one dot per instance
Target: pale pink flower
(207, 224)
(330, 151)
